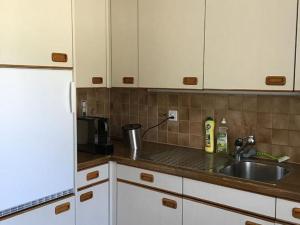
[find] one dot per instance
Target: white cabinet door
(32, 30)
(92, 206)
(58, 213)
(124, 21)
(171, 43)
(288, 211)
(297, 75)
(247, 41)
(139, 206)
(91, 43)
(195, 213)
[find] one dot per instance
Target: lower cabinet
(288, 211)
(141, 206)
(195, 213)
(58, 213)
(92, 205)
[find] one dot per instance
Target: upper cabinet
(124, 21)
(171, 43)
(250, 44)
(91, 43)
(297, 71)
(36, 33)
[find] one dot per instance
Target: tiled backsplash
(97, 99)
(275, 120)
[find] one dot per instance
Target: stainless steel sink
(256, 171)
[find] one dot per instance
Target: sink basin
(255, 171)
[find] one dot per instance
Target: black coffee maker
(93, 135)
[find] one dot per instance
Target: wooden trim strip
(97, 80)
(190, 80)
(59, 57)
(93, 166)
(147, 177)
(86, 196)
(92, 175)
(128, 80)
(35, 207)
(276, 80)
(35, 67)
(150, 188)
(169, 203)
(62, 208)
(251, 223)
(282, 222)
(296, 213)
(92, 185)
(229, 208)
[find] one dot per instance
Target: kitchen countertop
(202, 166)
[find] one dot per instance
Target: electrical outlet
(173, 113)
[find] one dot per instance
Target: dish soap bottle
(222, 138)
(209, 135)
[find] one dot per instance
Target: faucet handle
(251, 140)
(239, 142)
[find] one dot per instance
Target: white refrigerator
(36, 137)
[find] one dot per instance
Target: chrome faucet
(241, 149)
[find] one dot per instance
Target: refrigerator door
(36, 137)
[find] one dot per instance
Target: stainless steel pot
(132, 135)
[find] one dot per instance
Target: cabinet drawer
(92, 175)
(58, 213)
(209, 215)
(141, 206)
(150, 178)
(288, 211)
(242, 200)
(92, 207)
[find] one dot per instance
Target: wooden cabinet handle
(92, 175)
(86, 196)
(59, 57)
(251, 223)
(169, 203)
(62, 208)
(97, 80)
(276, 80)
(128, 80)
(147, 177)
(296, 213)
(190, 80)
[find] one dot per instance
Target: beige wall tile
(295, 105)
(294, 123)
(184, 127)
(162, 137)
(280, 137)
(196, 101)
(294, 138)
(264, 104)
(280, 105)
(196, 141)
(264, 120)
(280, 121)
(184, 139)
(173, 127)
(196, 128)
(195, 115)
(173, 138)
(235, 102)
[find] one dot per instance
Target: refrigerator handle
(72, 97)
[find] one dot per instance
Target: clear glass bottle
(222, 137)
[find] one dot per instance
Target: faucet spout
(241, 145)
